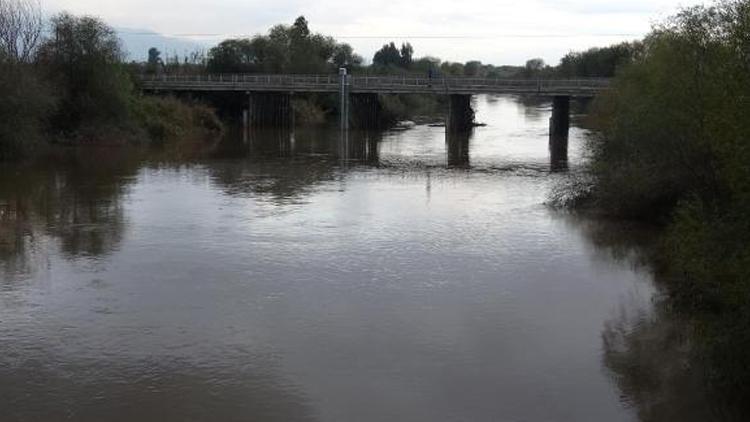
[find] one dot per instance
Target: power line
(436, 37)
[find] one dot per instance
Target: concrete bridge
(374, 84)
(269, 95)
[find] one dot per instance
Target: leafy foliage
(83, 59)
(26, 103)
(286, 49)
(674, 147)
(75, 88)
(599, 62)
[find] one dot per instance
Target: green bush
(674, 147)
(25, 106)
(167, 119)
(307, 111)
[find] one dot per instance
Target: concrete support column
(245, 126)
(559, 126)
(365, 111)
(457, 148)
(270, 110)
(343, 99)
(460, 114)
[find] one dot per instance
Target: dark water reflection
(405, 275)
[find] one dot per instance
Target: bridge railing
(244, 78)
(459, 82)
(381, 82)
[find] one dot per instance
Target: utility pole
(343, 99)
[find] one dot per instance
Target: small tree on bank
(21, 27)
(84, 60)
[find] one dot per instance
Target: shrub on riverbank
(168, 119)
(74, 89)
(412, 107)
(673, 148)
(24, 109)
(308, 111)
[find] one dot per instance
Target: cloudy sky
(493, 31)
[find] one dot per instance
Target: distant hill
(136, 43)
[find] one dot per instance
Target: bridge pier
(460, 114)
(559, 126)
(270, 110)
(457, 148)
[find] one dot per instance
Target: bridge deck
(373, 84)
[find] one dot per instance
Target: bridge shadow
(360, 146)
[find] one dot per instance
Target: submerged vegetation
(673, 148)
(72, 87)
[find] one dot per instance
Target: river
(412, 281)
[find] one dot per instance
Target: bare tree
(21, 26)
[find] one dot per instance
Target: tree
(535, 65)
(599, 62)
(452, 69)
(388, 56)
(343, 56)
(20, 29)
(423, 65)
(672, 147)
(154, 56)
(233, 56)
(407, 53)
(277, 49)
(26, 102)
(84, 59)
(300, 29)
(285, 49)
(154, 60)
(473, 68)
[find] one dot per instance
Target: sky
(493, 31)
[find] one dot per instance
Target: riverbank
(672, 150)
(76, 90)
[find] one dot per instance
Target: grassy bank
(673, 148)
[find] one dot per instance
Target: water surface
(415, 279)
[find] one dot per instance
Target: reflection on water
(307, 276)
(649, 354)
(648, 349)
(71, 199)
(362, 146)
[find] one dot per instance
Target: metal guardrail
(355, 83)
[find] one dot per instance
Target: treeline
(601, 62)
(286, 49)
(295, 49)
(394, 60)
(71, 86)
(673, 149)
